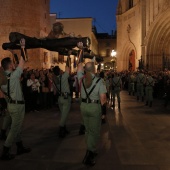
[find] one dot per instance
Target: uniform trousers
(17, 112)
(116, 93)
(149, 93)
(91, 113)
(64, 106)
(140, 90)
(131, 87)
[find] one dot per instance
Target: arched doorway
(132, 61)
(158, 42)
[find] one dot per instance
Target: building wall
(144, 28)
(26, 17)
(128, 35)
(106, 45)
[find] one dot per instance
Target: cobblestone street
(135, 138)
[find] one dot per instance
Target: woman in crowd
(33, 85)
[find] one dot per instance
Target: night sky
(103, 12)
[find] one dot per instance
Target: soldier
(116, 88)
(149, 90)
(140, 79)
(62, 85)
(93, 95)
(104, 109)
(15, 105)
(131, 85)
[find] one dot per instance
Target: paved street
(135, 138)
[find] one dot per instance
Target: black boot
(89, 158)
(62, 132)
(3, 135)
(142, 99)
(82, 130)
(21, 149)
(66, 130)
(146, 104)
(150, 104)
(118, 105)
(85, 157)
(6, 154)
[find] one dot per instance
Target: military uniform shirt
(64, 83)
(99, 89)
(15, 85)
(117, 82)
(140, 78)
(149, 81)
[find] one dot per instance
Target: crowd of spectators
(40, 93)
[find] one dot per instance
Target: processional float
(64, 46)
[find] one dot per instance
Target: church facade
(143, 34)
(29, 17)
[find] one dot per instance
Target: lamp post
(113, 54)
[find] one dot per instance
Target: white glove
(22, 43)
(80, 45)
(72, 34)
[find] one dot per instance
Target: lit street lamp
(113, 54)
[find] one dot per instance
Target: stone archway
(129, 56)
(158, 42)
(132, 59)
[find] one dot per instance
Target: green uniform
(131, 84)
(91, 112)
(140, 79)
(16, 111)
(117, 83)
(63, 101)
(149, 89)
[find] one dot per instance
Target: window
(107, 44)
(130, 4)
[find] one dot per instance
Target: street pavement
(134, 138)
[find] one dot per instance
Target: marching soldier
(116, 88)
(131, 85)
(15, 105)
(62, 85)
(93, 95)
(149, 90)
(140, 79)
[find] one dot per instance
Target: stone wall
(144, 28)
(27, 17)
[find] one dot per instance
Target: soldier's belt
(16, 102)
(90, 101)
(65, 93)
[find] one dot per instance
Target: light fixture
(113, 53)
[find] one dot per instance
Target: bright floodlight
(113, 53)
